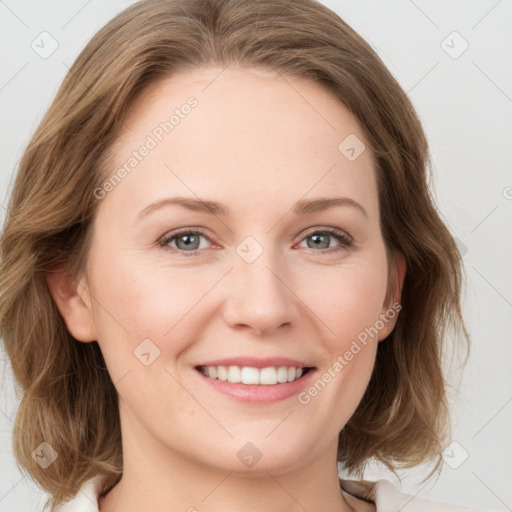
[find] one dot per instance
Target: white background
(465, 104)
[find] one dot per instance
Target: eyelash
(344, 239)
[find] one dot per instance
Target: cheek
(349, 309)
(348, 302)
(136, 301)
(348, 299)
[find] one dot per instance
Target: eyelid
(328, 230)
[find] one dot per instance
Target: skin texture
(257, 142)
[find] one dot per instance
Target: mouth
(252, 376)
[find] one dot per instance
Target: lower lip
(258, 393)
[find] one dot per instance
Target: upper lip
(258, 362)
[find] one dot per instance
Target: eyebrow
(302, 207)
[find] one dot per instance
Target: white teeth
(252, 376)
(222, 373)
(234, 374)
(282, 374)
(268, 376)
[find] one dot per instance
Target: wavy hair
(67, 397)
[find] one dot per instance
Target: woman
(235, 276)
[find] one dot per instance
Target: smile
(248, 375)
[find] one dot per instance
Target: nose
(261, 297)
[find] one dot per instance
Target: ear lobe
(73, 302)
(391, 306)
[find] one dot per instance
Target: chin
(257, 456)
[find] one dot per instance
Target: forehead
(253, 134)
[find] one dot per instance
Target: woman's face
(263, 274)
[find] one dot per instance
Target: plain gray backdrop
(453, 58)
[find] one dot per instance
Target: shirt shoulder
(86, 499)
(387, 498)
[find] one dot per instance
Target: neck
(173, 481)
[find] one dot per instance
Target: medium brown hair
(68, 399)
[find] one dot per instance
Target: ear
(391, 306)
(73, 301)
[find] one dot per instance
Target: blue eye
(319, 238)
(188, 241)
